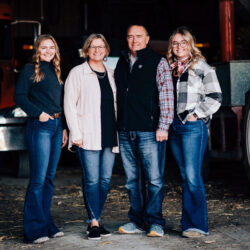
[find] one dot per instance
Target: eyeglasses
(182, 44)
(97, 47)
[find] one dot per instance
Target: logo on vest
(140, 66)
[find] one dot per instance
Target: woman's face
(97, 50)
(180, 47)
(47, 50)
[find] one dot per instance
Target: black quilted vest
(137, 92)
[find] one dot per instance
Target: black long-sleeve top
(37, 97)
(108, 123)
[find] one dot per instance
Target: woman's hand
(44, 117)
(192, 118)
(78, 143)
(64, 138)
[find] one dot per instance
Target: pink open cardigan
(82, 106)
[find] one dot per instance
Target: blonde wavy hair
(90, 39)
(195, 53)
(38, 76)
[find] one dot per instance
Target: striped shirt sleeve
(166, 95)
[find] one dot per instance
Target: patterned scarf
(179, 65)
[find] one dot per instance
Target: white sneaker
(58, 234)
(41, 240)
(192, 234)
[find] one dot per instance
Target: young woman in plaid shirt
(197, 97)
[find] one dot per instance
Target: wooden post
(227, 30)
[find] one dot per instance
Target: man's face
(137, 38)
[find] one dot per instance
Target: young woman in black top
(39, 93)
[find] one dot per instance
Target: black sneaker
(94, 233)
(88, 229)
(104, 232)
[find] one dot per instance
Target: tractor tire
(245, 137)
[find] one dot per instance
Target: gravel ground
(228, 199)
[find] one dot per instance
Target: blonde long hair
(36, 59)
(195, 53)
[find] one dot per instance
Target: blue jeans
(44, 141)
(97, 167)
(135, 145)
(188, 142)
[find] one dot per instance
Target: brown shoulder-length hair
(88, 42)
(38, 76)
(195, 53)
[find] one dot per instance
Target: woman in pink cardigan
(90, 110)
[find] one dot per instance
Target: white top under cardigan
(82, 106)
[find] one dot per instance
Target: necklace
(99, 75)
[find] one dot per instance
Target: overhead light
(28, 47)
(202, 45)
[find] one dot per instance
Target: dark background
(71, 21)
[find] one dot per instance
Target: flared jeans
(44, 140)
(188, 143)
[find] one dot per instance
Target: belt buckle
(56, 115)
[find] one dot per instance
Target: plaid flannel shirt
(198, 91)
(166, 95)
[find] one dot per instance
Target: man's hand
(161, 135)
(64, 138)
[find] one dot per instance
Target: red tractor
(12, 119)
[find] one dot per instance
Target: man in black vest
(145, 111)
